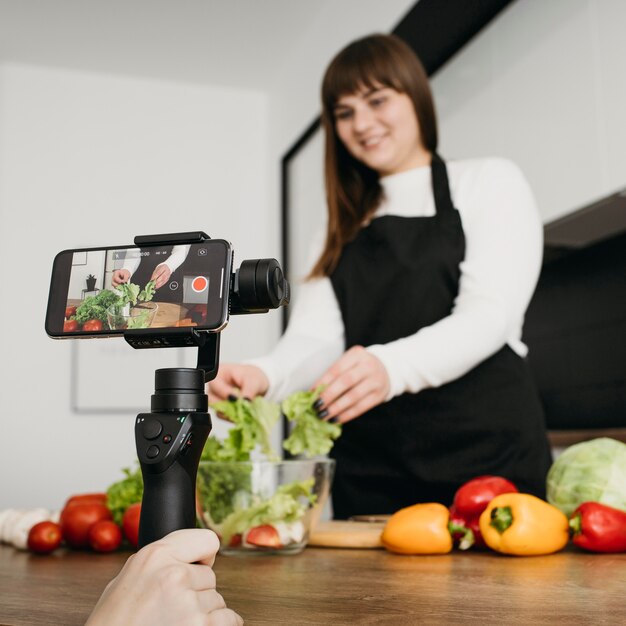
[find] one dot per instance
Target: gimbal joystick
(171, 437)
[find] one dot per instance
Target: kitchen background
(127, 118)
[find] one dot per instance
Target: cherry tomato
(45, 537)
(130, 523)
(91, 325)
(105, 536)
(70, 326)
(77, 519)
(69, 311)
(265, 536)
(82, 498)
(235, 541)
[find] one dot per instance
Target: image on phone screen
(112, 290)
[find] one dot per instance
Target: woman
(412, 315)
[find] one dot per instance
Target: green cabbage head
(591, 471)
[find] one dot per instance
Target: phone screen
(106, 291)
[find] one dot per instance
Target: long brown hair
(353, 190)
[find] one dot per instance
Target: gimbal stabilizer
(171, 437)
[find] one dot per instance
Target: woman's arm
(314, 339)
(504, 244)
(178, 255)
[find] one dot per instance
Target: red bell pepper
(465, 532)
(470, 500)
(598, 528)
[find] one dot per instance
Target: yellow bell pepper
(522, 524)
(418, 529)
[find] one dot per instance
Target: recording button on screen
(199, 284)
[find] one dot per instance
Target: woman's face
(378, 126)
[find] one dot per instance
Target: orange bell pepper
(418, 529)
(522, 524)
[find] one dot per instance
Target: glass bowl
(123, 317)
(261, 507)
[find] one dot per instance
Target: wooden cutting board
(347, 534)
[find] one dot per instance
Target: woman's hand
(168, 582)
(232, 379)
(120, 276)
(355, 383)
(161, 275)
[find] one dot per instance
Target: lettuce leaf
(123, 493)
(128, 293)
(310, 435)
(148, 292)
(253, 421)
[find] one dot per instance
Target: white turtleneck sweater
(504, 244)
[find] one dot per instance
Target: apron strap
(441, 188)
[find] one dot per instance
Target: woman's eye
(343, 114)
(378, 101)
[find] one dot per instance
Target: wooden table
(334, 587)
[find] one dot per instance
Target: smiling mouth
(372, 142)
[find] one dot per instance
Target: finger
(224, 617)
(201, 577)
(191, 545)
(220, 389)
(249, 388)
(345, 362)
(362, 406)
(210, 600)
(342, 384)
(350, 398)
(158, 277)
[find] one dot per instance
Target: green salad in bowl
(255, 501)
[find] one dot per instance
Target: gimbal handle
(170, 438)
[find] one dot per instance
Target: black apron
(399, 275)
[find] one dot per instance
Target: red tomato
(130, 523)
(265, 536)
(86, 498)
(69, 311)
(77, 519)
(70, 326)
(235, 541)
(91, 325)
(105, 536)
(44, 537)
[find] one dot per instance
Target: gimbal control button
(152, 452)
(151, 428)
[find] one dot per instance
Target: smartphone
(102, 292)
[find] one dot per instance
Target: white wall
(296, 90)
(91, 160)
(545, 85)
